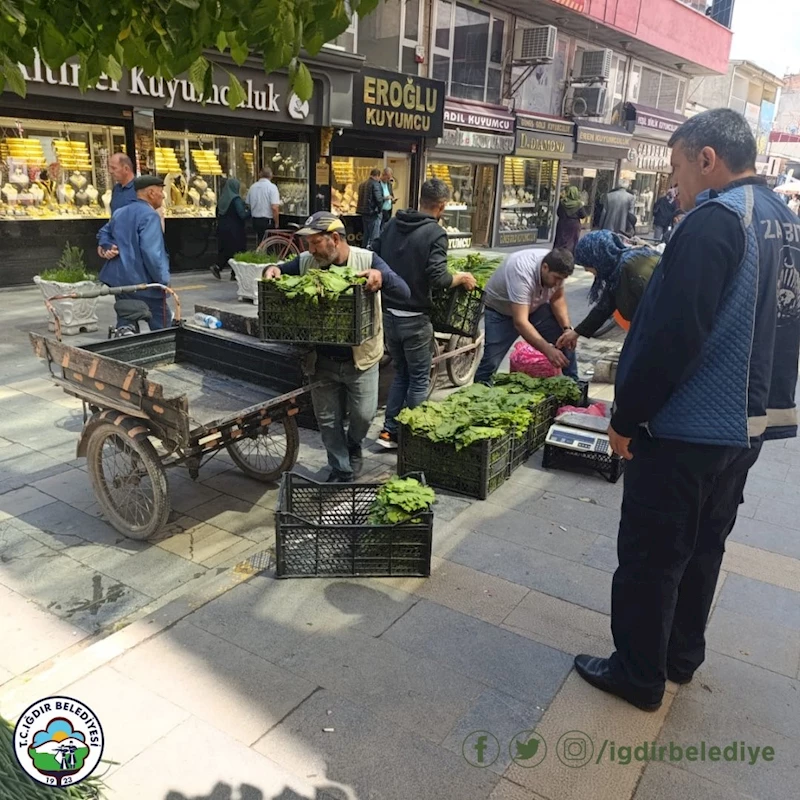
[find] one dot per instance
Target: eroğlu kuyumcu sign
(397, 103)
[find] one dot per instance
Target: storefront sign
(559, 127)
(267, 97)
(542, 145)
(397, 103)
(602, 141)
(653, 122)
(459, 241)
(323, 173)
(458, 115)
(649, 157)
(509, 238)
(457, 139)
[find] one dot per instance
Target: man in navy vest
(707, 374)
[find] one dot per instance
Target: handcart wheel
(435, 365)
(461, 369)
(270, 452)
(129, 481)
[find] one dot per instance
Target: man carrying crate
(346, 401)
(415, 245)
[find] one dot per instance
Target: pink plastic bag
(594, 410)
(526, 359)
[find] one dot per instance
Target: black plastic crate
(457, 311)
(524, 446)
(474, 471)
(348, 320)
(323, 530)
(609, 466)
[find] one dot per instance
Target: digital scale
(581, 432)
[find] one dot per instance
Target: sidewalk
(215, 681)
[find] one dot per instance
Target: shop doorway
(400, 164)
(485, 187)
(594, 184)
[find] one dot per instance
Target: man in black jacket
(415, 246)
(370, 206)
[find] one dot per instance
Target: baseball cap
(321, 222)
(143, 181)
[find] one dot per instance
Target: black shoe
(356, 461)
(387, 440)
(676, 677)
(339, 477)
(233, 275)
(215, 272)
(597, 672)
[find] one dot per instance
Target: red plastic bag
(526, 359)
(594, 410)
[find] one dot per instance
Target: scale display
(574, 439)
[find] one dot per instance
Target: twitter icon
(527, 749)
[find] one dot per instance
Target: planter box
(247, 277)
(77, 316)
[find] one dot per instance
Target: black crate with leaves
(457, 311)
(610, 466)
(526, 444)
(328, 530)
(475, 470)
(349, 319)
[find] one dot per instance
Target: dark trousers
(679, 505)
(159, 308)
(261, 225)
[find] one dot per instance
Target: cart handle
(102, 291)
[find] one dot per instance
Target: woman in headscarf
(621, 273)
(231, 232)
(570, 213)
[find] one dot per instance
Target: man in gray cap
(133, 243)
(346, 399)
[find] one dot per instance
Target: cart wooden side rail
(171, 397)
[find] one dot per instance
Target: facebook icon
(481, 749)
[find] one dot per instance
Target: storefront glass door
(400, 164)
(485, 186)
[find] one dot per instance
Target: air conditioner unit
(596, 65)
(587, 101)
(535, 45)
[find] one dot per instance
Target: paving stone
(754, 640)
(16, 540)
(506, 790)
(776, 512)
(237, 484)
(527, 530)
(602, 554)
(19, 501)
(786, 492)
(579, 711)
(762, 565)
(236, 691)
(61, 522)
(185, 494)
(662, 781)
(169, 769)
(419, 694)
(501, 716)
(29, 635)
(370, 755)
(448, 506)
(746, 692)
(132, 717)
(695, 721)
(759, 534)
(577, 583)
(198, 541)
(74, 488)
(562, 625)
(762, 601)
(770, 469)
(21, 463)
(779, 455)
(233, 555)
(503, 660)
(71, 590)
(254, 522)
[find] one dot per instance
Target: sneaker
(387, 439)
(215, 272)
(339, 477)
(356, 461)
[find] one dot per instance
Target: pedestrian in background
(707, 373)
(387, 187)
(570, 213)
(121, 168)
(664, 214)
(794, 204)
(370, 207)
(264, 200)
(414, 245)
(617, 215)
(231, 231)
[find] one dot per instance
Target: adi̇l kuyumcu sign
(391, 102)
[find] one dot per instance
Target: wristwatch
(569, 328)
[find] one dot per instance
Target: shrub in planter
(247, 267)
(70, 275)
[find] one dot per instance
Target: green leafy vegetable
(254, 257)
(479, 265)
(399, 499)
(564, 389)
(319, 284)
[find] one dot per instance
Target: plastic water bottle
(207, 321)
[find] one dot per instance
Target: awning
(478, 116)
(602, 141)
(650, 122)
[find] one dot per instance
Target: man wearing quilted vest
(346, 401)
(707, 374)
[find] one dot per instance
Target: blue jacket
(712, 355)
(136, 231)
(122, 196)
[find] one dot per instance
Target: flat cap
(143, 181)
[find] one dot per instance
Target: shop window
(593, 184)
(470, 44)
(739, 94)
(289, 163)
(56, 170)
(643, 187)
(529, 195)
(347, 40)
(389, 35)
(411, 24)
(656, 89)
(460, 209)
